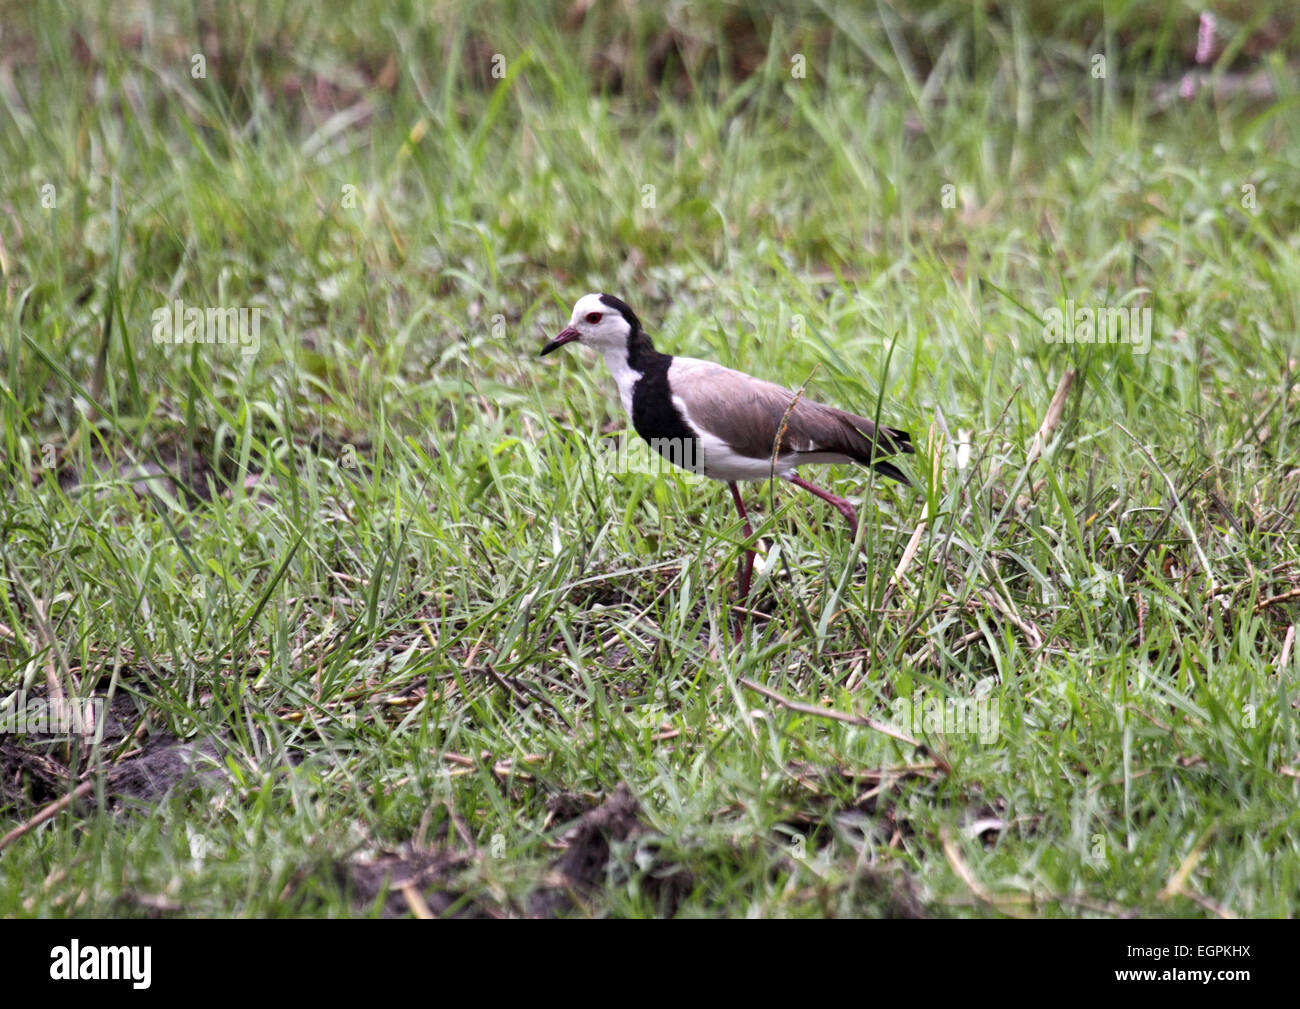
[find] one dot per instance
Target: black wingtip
(896, 440)
(891, 471)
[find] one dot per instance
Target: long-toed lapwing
(724, 423)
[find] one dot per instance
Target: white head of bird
(598, 321)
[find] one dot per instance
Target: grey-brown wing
(747, 412)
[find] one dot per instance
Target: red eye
(593, 317)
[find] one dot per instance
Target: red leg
(844, 507)
(749, 534)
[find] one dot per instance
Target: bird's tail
(893, 472)
(890, 441)
(869, 444)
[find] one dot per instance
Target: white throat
(624, 374)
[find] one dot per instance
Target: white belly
(721, 463)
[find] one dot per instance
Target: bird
(723, 423)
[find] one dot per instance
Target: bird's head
(600, 321)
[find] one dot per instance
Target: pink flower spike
(1205, 38)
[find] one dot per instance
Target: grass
(370, 604)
